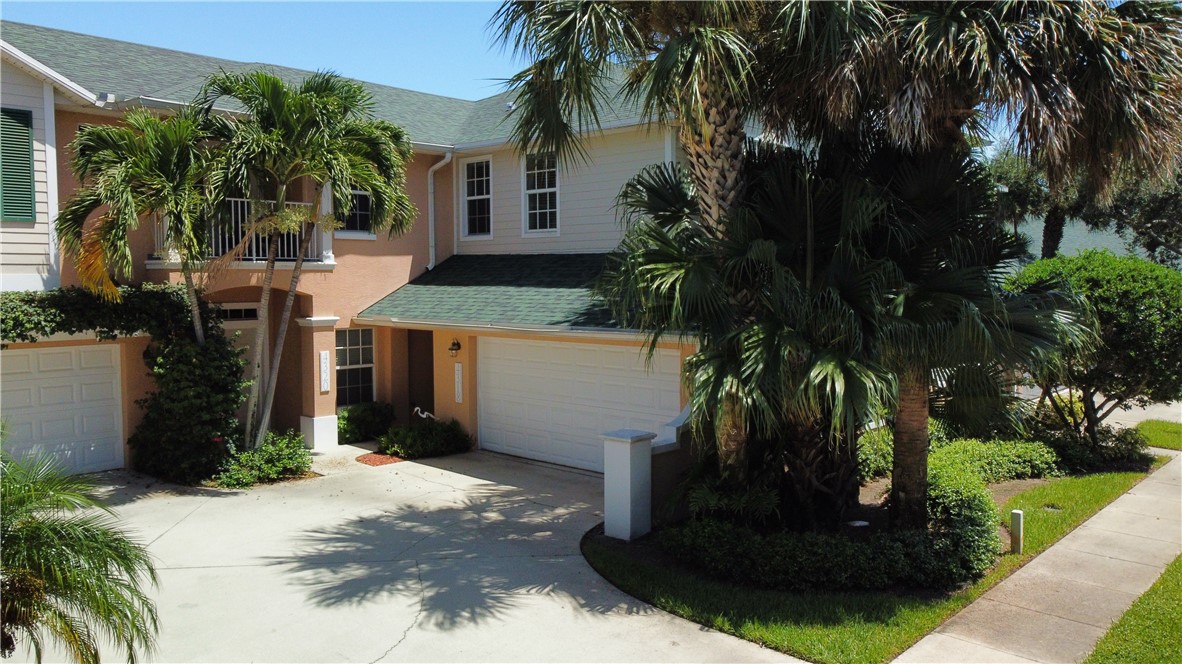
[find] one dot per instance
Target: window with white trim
(478, 197)
(354, 366)
(358, 219)
(541, 192)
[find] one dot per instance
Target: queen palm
(321, 130)
(149, 166)
(68, 576)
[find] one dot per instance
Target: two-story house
(481, 313)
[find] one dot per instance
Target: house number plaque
(325, 377)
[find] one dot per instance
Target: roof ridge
(121, 41)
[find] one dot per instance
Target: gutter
(431, 207)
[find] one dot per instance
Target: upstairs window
(478, 197)
(17, 200)
(354, 366)
(358, 218)
(541, 193)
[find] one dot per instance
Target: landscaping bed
(851, 626)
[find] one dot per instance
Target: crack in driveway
(415, 621)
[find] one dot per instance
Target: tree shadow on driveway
(468, 555)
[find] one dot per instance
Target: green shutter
(17, 202)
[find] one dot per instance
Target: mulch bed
(375, 459)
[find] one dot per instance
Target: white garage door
(63, 402)
(552, 401)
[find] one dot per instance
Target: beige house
(482, 312)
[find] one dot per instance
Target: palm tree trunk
(254, 424)
(1052, 230)
(909, 476)
(194, 306)
(268, 395)
(714, 147)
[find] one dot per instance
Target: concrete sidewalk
(1058, 606)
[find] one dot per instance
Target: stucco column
(318, 413)
(627, 483)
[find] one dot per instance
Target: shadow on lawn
(467, 555)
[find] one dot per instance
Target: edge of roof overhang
(40, 69)
(478, 326)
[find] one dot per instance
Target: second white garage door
(63, 402)
(551, 401)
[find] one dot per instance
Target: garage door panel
(64, 402)
(552, 401)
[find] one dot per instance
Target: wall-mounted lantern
(454, 347)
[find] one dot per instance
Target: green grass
(1151, 630)
(1162, 433)
(846, 627)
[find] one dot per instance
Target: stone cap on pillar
(631, 436)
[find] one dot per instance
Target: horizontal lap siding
(587, 195)
(24, 246)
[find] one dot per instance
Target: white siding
(587, 194)
(24, 246)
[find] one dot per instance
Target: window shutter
(17, 201)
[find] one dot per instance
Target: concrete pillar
(318, 414)
(627, 483)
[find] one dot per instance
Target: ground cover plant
(430, 438)
(281, 456)
(829, 626)
(1150, 631)
(364, 421)
(1160, 433)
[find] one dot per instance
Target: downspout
(431, 207)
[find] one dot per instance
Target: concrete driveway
(468, 558)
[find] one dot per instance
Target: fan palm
(147, 166)
(785, 328)
(68, 575)
(322, 130)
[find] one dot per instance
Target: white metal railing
(229, 231)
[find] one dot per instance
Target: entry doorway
(420, 352)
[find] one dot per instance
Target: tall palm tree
(67, 574)
(149, 166)
(321, 130)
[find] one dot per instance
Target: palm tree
(322, 130)
(785, 328)
(948, 319)
(67, 574)
(148, 166)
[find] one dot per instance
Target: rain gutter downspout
(431, 207)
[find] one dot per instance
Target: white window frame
(462, 188)
(525, 230)
(239, 323)
(370, 365)
(358, 235)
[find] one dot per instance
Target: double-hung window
(354, 366)
(541, 193)
(478, 198)
(17, 198)
(358, 219)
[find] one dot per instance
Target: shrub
(1000, 460)
(1111, 449)
(875, 454)
(429, 439)
(959, 546)
(364, 421)
(280, 456)
(1137, 307)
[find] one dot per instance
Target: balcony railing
(229, 231)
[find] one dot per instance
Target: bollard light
(1016, 535)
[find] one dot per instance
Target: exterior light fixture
(454, 347)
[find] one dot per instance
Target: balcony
(228, 233)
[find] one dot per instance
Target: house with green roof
(482, 312)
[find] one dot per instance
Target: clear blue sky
(438, 47)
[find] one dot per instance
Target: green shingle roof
(133, 71)
(533, 290)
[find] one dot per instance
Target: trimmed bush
(1000, 460)
(363, 422)
(281, 456)
(875, 454)
(430, 439)
(1113, 449)
(960, 546)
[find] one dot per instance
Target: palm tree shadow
(488, 550)
(123, 487)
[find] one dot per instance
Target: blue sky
(438, 47)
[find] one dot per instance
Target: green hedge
(281, 456)
(364, 422)
(1000, 460)
(431, 438)
(960, 546)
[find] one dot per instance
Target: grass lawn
(849, 626)
(1151, 630)
(1162, 433)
